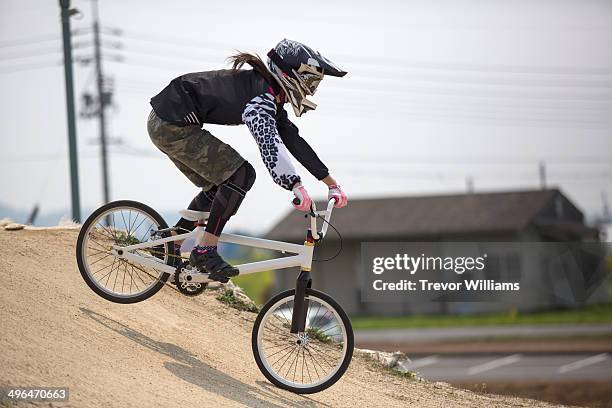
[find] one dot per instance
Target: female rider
(234, 96)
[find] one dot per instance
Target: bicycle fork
(300, 302)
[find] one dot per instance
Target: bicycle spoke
(147, 230)
(286, 321)
(323, 331)
(275, 345)
(97, 252)
(114, 225)
(280, 351)
(116, 276)
(293, 346)
(132, 280)
(323, 315)
(129, 222)
(320, 354)
(98, 260)
(315, 362)
(318, 310)
(302, 366)
(136, 269)
(295, 361)
(123, 281)
(109, 272)
(100, 245)
(106, 232)
(288, 357)
(142, 270)
(141, 222)
(123, 218)
(313, 365)
(100, 270)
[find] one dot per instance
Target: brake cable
(339, 237)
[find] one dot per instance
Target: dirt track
(167, 351)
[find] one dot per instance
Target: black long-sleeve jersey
(233, 97)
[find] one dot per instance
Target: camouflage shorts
(203, 158)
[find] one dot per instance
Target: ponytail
(241, 58)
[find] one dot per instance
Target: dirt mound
(167, 351)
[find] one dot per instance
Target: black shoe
(208, 260)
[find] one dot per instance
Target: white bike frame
(302, 253)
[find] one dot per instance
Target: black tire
(81, 261)
(349, 342)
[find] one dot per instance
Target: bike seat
(191, 215)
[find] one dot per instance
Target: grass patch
(599, 313)
(229, 299)
(374, 363)
(318, 335)
(256, 285)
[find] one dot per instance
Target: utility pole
(542, 169)
(469, 184)
(101, 100)
(72, 143)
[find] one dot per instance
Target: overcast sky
(437, 91)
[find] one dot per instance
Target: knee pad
(232, 191)
(203, 200)
(229, 196)
(243, 178)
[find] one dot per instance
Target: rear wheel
(122, 223)
(305, 362)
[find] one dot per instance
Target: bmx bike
(302, 340)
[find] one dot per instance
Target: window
(513, 267)
(493, 270)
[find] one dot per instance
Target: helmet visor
(309, 77)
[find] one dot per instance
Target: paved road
(513, 367)
(465, 332)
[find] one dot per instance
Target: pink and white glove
(301, 194)
(336, 192)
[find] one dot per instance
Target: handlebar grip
(296, 201)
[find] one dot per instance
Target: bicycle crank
(183, 280)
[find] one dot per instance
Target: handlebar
(313, 217)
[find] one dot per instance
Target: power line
(43, 157)
(30, 40)
(170, 40)
(169, 58)
(29, 67)
(31, 53)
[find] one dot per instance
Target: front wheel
(305, 362)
